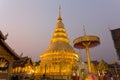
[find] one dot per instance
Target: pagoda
(59, 59)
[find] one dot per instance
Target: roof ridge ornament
(2, 36)
(6, 36)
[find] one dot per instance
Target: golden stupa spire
(59, 14)
(84, 30)
(59, 31)
(59, 58)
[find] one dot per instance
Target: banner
(116, 39)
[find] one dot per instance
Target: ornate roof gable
(7, 47)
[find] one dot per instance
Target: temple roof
(7, 47)
(22, 62)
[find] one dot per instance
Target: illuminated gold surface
(27, 69)
(86, 41)
(59, 58)
(78, 43)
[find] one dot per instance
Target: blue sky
(30, 24)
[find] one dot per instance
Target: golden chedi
(59, 58)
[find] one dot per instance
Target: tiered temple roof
(22, 62)
(7, 57)
(7, 47)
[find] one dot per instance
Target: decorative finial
(6, 36)
(84, 30)
(21, 54)
(59, 11)
(59, 15)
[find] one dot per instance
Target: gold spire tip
(59, 14)
(84, 30)
(59, 11)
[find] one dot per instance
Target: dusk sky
(30, 24)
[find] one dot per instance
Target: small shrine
(23, 68)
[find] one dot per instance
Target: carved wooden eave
(24, 61)
(7, 47)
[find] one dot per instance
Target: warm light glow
(59, 57)
(62, 62)
(60, 34)
(59, 39)
(61, 29)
